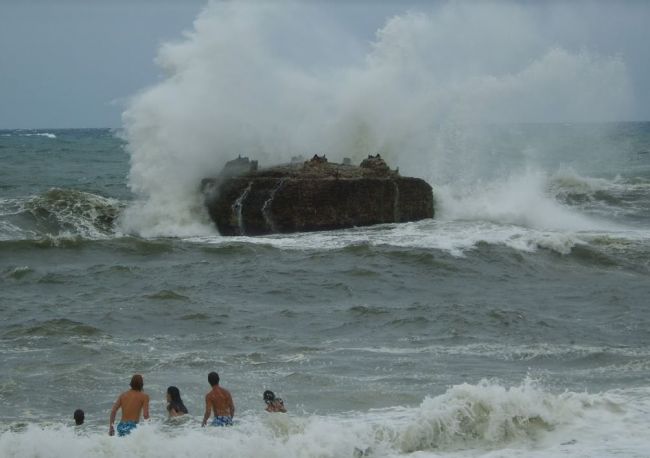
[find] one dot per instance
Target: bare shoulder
(117, 403)
(225, 391)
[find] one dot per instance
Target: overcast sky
(74, 63)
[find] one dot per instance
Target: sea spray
(237, 84)
(520, 199)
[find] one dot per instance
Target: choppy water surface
(515, 323)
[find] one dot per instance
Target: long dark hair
(175, 401)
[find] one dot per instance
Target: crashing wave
(466, 420)
(59, 213)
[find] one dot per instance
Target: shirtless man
(218, 401)
(131, 402)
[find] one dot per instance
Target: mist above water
(273, 81)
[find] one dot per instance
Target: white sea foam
(58, 214)
(39, 134)
(508, 352)
(486, 419)
(10, 231)
(249, 79)
(566, 179)
(77, 213)
(454, 237)
(11, 206)
(521, 199)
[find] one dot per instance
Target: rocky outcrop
(312, 195)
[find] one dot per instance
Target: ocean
(514, 323)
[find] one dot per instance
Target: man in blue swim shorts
(221, 421)
(124, 428)
(132, 402)
(218, 402)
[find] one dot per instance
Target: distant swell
(19, 133)
(53, 328)
(168, 295)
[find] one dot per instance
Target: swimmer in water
(132, 402)
(273, 404)
(79, 417)
(218, 401)
(175, 405)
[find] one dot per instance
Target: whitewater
(514, 323)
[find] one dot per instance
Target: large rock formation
(313, 195)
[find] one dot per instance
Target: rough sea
(515, 323)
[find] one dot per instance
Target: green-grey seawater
(517, 320)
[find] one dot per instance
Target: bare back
(218, 402)
(133, 403)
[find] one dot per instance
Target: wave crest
(408, 94)
(59, 213)
(467, 420)
(486, 414)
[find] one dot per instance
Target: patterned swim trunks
(220, 420)
(124, 428)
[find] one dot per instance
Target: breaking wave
(467, 420)
(40, 134)
(237, 84)
(59, 213)
(458, 238)
(65, 217)
(29, 134)
(617, 198)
